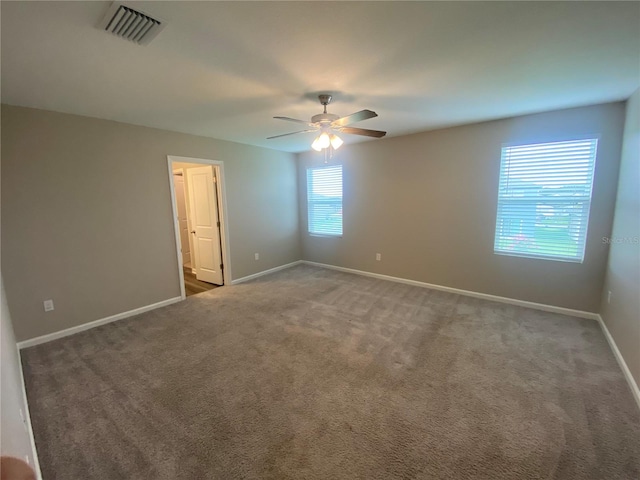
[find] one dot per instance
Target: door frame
(218, 167)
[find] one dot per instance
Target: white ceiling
(224, 69)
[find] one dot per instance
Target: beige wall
(87, 219)
(622, 315)
(14, 436)
(427, 203)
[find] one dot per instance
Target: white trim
(35, 463)
(96, 323)
(468, 293)
(221, 195)
(266, 272)
(176, 226)
(218, 165)
(635, 391)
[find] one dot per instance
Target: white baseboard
(265, 272)
(468, 293)
(96, 323)
(34, 462)
(623, 365)
(538, 306)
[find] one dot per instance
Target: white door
(205, 226)
(183, 224)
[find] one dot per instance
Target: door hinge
(218, 223)
(221, 266)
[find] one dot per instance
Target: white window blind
(324, 200)
(544, 198)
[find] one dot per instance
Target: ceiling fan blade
(289, 119)
(363, 131)
(353, 118)
(292, 133)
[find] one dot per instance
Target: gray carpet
(315, 374)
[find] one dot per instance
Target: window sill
(538, 257)
(323, 235)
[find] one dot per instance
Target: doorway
(198, 203)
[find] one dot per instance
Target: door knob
(193, 231)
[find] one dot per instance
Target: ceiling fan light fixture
(336, 142)
(323, 140)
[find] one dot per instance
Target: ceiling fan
(328, 124)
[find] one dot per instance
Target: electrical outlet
(48, 305)
(609, 296)
(257, 255)
(378, 257)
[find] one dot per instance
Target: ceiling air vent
(130, 24)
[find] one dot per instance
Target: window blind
(544, 196)
(324, 200)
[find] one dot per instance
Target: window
(544, 198)
(324, 200)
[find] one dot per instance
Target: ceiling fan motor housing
(324, 118)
